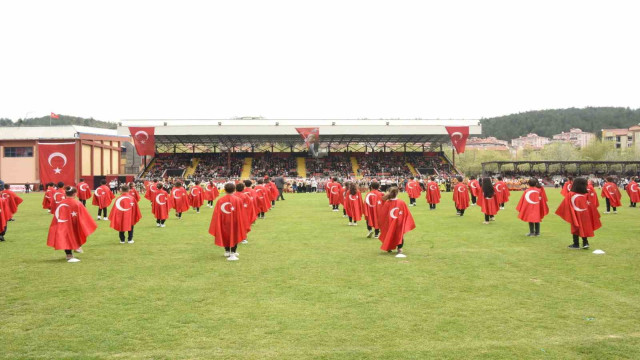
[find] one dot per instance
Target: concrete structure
(489, 143)
(577, 137)
(530, 141)
(623, 138)
(98, 151)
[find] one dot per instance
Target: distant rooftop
(52, 132)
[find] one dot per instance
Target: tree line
(550, 122)
(62, 120)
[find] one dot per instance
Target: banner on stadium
(311, 138)
(459, 136)
(57, 162)
(144, 140)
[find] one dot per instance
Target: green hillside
(63, 120)
(550, 122)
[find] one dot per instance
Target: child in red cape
(460, 196)
(227, 223)
(372, 205)
(395, 221)
(160, 205)
(488, 201)
(576, 210)
(612, 196)
(433, 193)
(125, 214)
(70, 226)
(532, 207)
(354, 205)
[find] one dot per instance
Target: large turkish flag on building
(459, 136)
(144, 140)
(57, 162)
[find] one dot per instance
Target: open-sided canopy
(238, 132)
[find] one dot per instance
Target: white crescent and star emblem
(224, 210)
(609, 190)
(473, 185)
(192, 194)
(55, 199)
(142, 132)
(391, 212)
(84, 187)
(366, 200)
(334, 193)
(411, 185)
(636, 188)
(433, 188)
(527, 197)
(158, 200)
(569, 187)
(573, 203)
(57, 213)
(5, 195)
(174, 194)
(98, 192)
(498, 187)
(54, 155)
(458, 134)
(353, 198)
(462, 189)
(119, 206)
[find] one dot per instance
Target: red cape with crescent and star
(461, 196)
(575, 210)
(532, 206)
(395, 221)
(372, 206)
(227, 224)
(611, 192)
(70, 226)
(102, 197)
(124, 220)
(433, 193)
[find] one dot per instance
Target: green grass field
(309, 286)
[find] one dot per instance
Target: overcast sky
(116, 60)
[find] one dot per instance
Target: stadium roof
(234, 132)
(53, 132)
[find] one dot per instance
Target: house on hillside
(623, 138)
(533, 141)
(575, 136)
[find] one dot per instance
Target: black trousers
(102, 211)
(230, 249)
(576, 240)
(130, 237)
(460, 211)
(158, 221)
(487, 217)
(280, 197)
(473, 199)
(609, 205)
(84, 202)
(534, 228)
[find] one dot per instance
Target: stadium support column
(228, 158)
(453, 157)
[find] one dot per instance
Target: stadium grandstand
(249, 148)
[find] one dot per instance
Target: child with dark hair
(474, 189)
(488, 201)
(395, 221)
(575, 210)
(227, 223)
(372, 204)
(353, 205)
(102, 199)
(460, 196)
(532, 207)
(125, 214)
(160, 205)
(433, 193)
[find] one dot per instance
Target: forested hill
(63, 120)
(551, 122)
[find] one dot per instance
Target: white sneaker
(161, 225)
(355, 224)
(158, 224)
(226, 254)
(244, 241)
(344, 216)
(615, 212)
(401, 255)
(198, 212)
(485, 222)
(73, 260)
(370, 234)
(233, 257)
(606, 212)
(99, 218)
(78, 250)
(130, 241)
(236, 254)
(350, 224)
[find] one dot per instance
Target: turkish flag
(532, 206)
(395, 221)
(310, 135)
(54, 116)
(459, 136)
(57, 162)
(576, 210)
(144, 140)
(354, 206)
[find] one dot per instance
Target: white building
(577, 137)
(530, 141)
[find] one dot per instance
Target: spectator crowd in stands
(336, 164)
(270, 164)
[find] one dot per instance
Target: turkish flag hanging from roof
(144, 140)
(459, 136)
(57, 162)
(310, 135)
